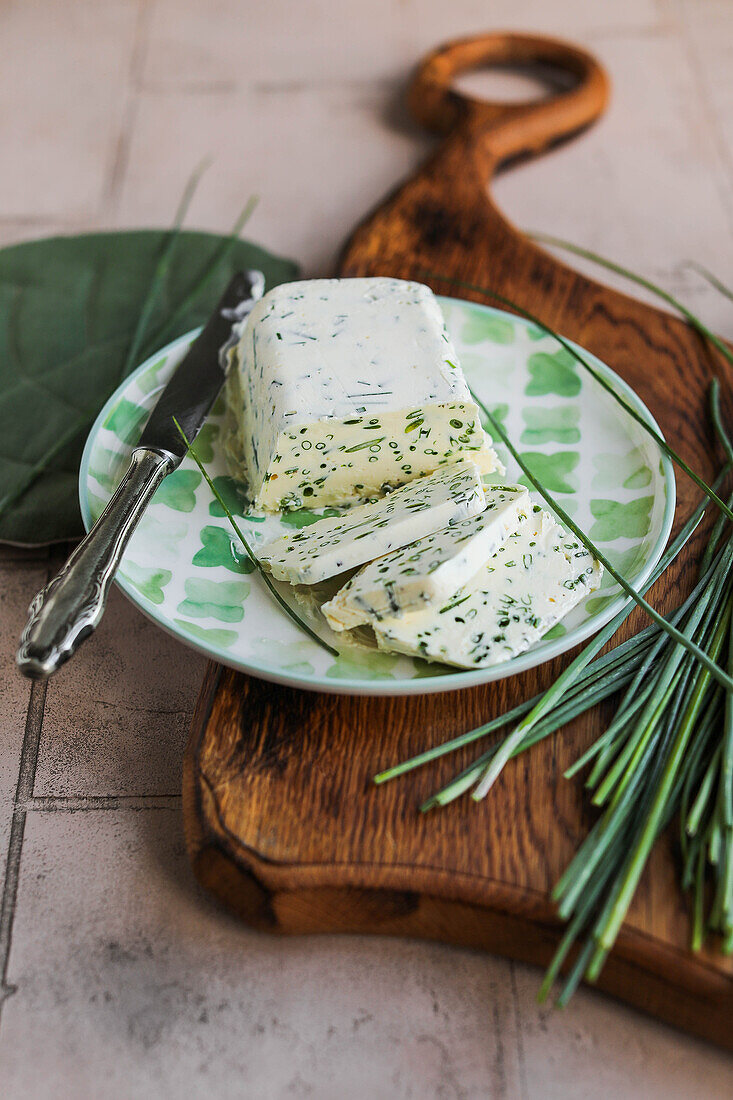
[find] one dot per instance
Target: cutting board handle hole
(506, 83)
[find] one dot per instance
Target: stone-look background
(119, 978)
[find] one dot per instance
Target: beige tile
(63, 84)
(597, 1047)
(318, 160)
(118, 714)
(433, 22)
(710, 50)
(16, 231)
(711, 36)
(26, 556)
(347, 146)
(227, 44)
(645, 185)
(139, 987)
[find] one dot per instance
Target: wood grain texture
(282, 822)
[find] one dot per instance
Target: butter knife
(65, 612)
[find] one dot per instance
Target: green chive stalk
(663, 754)
(657, 291)
(720, 675)
(669, 749)
(172, 324)
(160, 272)
(708, 276)
(662, 760)
(598, 667)
(289, 611)
(600, 379)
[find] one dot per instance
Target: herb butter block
(339, 389)
(429, 571)
(532, 581)
(332, 545)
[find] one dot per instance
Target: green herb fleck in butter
(428, 571)
(340, 389)
(532, 581)
(331, 546)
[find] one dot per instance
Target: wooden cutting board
(282, 822)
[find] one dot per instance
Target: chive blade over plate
(603, 382)
(647, 284)
(289, 611)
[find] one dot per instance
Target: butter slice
(340, 389)
(533, 580)
(427, 572)
(334, 544)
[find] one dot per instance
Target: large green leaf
(70, 309)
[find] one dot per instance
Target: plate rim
(418, 685)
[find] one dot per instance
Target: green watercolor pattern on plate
(615, 519)
(148, 580)
(219, 547)
(178, 491)
(480, 326)
(558, 424)
(554, 471)
(553, 373)
(214, 599)
(621, 471)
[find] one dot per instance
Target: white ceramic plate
(183, 570)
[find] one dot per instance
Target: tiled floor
(118, 977)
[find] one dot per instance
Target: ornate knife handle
(68, 609)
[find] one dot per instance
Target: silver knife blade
(197, 380)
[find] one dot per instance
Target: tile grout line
(82, 803)
(518, 1026)
(23, 793)
(25, 802)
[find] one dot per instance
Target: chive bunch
(588, 679)
(255, 561)
(667, 753)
